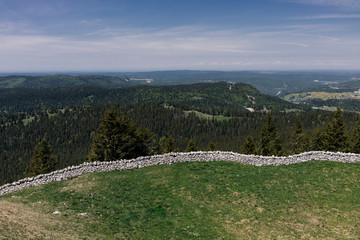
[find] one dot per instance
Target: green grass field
(208, 116)
(213, 200)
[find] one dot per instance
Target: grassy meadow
(204, 200)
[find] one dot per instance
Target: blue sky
(139, 35)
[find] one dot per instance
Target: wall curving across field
(170, 158)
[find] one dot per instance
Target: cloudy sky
(140, 35)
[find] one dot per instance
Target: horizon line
(174, 70)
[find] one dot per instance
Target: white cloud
(179, 48)
(346, 4)
(10, 27)
(332, 16)
(295, 44)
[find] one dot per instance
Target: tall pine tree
(269, 140)
(211, 146)
(299, 142)
(335, 136)
(169, 145)
(43, 160)
(118, 138)
(249, 146)
(318, 140)
(355, 143)
(191, 147)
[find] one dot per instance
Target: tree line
(71, 133)
(330, 137)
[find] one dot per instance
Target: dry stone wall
(170, 158)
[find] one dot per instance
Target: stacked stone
(170, 158)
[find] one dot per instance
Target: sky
(149, 35)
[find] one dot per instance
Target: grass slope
(216, 200)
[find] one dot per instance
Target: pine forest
(72, 125)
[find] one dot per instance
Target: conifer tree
(269, 140)
(335, 136)
(159, 146)
(211, 146)
(299, 141)
(43, 160)
(191, 147)
(317, 142)
(249, 146)
(118, 138)
(355, 146)
(169, 145)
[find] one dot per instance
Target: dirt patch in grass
(82, 184)
(311, 224)
(34, 221)
(18, 221)
(153, 171)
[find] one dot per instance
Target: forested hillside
(212, 97)
(71, 130)
(50, 81)
(217, 116)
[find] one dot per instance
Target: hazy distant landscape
(268, 82)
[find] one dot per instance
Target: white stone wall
(170, 158)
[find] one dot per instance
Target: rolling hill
(217, 96)
(50, 81)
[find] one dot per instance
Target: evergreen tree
(299, 141)
(43, 160)
(118, 138)
(318, 140)
(147, 138)
(169, 145)
(191, 147)
(269, 141)
(335, 136)
(211, 146)
(249, 146)
(355, 147)
(160, 146)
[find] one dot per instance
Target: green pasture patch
(200, 200)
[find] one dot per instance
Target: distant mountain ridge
(202, 96)
(47, 81)
(269, 82)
